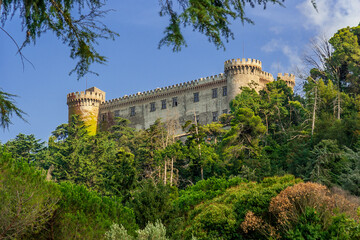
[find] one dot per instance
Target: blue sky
(279, 39)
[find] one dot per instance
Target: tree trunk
(172, 171)
(339, 106)
(165, 172)
(314, 113)
(159, 173)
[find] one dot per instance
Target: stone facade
(203, 100)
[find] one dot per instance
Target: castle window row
(175, 102)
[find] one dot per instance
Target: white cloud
(331, 16)
(276, 30)
(291, 53)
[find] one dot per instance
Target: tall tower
(86, 105)
(243, 73)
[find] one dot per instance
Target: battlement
(266, 76)
(286, 77)
(242, 62)
(168, 89)
(89, 94)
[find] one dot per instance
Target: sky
(279, 38)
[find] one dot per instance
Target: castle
(202, 100)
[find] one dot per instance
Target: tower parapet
(238, 63)
(86, 104)
(244, 72)
(288, 78)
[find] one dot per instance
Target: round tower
(241, 73)
(86, 105)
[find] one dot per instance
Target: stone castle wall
(204, 99)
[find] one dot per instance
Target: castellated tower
(86, 105)
(288, 78)
(202, 100)
(244, 72)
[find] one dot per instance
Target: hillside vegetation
(279, 166)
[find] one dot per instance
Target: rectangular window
(215, 116)
(117, 113)
(132, 111)
(152, 107)
(103, 117)
(196, 97)
(225, 91)
(225, 111)
(214, 93)
(163, 104)
(175, 102)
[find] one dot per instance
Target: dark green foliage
(346, 58)
(8, 108)
(27, 200)
(75, 22)
(204, 190)
(209, 17)
(220, 216)
(120, 174)
(242, 140)
(343, 228)
(151, 201)
(26, 147)
(325, 164)
(308, 227)
(84, 214)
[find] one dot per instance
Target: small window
(225, 111)
(117, 113)
(132, 111)
(214, 93)
(175, 102)
(215, 116)
(163, 104)
(152, 107)
(225, 91)
(103, 117)
(196, 97)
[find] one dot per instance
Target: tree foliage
(75, 22)
(209, 17)
(8, 108)
(27, 200)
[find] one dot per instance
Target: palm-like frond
(8, 109)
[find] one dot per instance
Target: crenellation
(237, 73)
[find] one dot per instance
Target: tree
(8, 108)
(242, 140)
(346, 58)
(80, 29)
(25, 146)
(325, 165)
(151, 201)
(85, 214)
(209, 17)
(27, 200)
